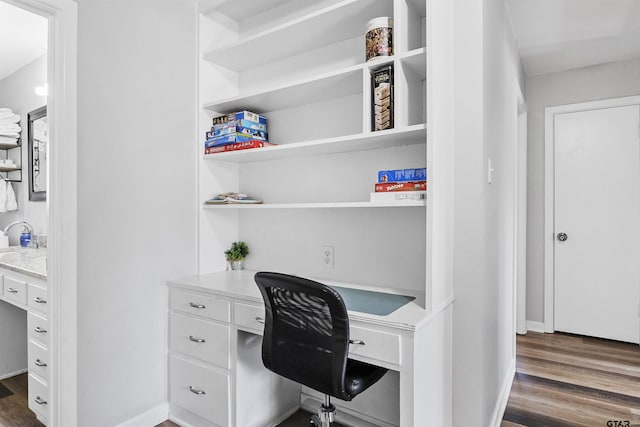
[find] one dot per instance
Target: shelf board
(410, 135)
(3, 169)
(416, 61)
(329, 205)
(5, 146)
(335, 84)
(341, 21)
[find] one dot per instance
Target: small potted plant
(236, 255)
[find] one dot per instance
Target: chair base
(325, 417)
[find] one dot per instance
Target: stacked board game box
(240, 130)
(400, 185)
(382, 98)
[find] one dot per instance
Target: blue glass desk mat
(372, 302)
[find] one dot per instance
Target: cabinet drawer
(38, 328)
(201, 305)
(38, 396)
(200, 390)
(200, 338)
(15, 290)
(38, 360)
(381, 346)
(246, 317)
(38, 298)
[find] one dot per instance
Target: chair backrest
(306, 334)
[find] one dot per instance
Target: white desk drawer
(38, 298)
(38, 396)
(246, 317)
(38, 328)
(201, 305)
(38, 360)
(200, 390)
(200, 338)
(15, 290)
(381, 346)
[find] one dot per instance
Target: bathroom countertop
(32, 262)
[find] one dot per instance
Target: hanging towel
(12, 204)
(3, 195)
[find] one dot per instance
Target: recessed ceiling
(556, 35)
(23, 38)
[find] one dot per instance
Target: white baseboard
(535, 326)
(152, 417)
(12, 374)
(501, 404)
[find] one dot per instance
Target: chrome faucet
(25, 223)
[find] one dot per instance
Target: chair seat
(359, 376)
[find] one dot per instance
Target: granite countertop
(32, 262)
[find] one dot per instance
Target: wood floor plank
(14, 409)
(568, 380)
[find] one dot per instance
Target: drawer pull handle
(12, 291)
(39, 330)
(40, 300)
(39, 401)
(198, 340)
(194, 305)
(357, 342)
(196, 391)
(39, 363)
(260, 319)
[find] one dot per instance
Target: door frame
(62, 16)
(549, 191)
(520, 223)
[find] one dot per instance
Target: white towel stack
(9, 127)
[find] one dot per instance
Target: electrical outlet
(327, 257)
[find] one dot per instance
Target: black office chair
(306, 339)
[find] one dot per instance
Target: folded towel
(5, 110)
(9, 134)
(9, 118)
(12, 204)
(12, 126)
(8, 140)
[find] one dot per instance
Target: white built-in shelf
(335, 84)
(410, 135)
(323, 27)
(329, 205)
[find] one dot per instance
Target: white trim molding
(549, 191)
(152, 417)
(501, 404)
(535, 326)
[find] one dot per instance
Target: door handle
(562, 237)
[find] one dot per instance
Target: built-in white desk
(216, 377)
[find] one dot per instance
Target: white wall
(605, 81)
(136, 198)
(487, 73)
(17, 92)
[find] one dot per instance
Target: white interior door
(597, 207)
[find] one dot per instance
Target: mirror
(38, 142)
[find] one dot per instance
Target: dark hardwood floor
(568, 380)
(14, 410)
(561, 380)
